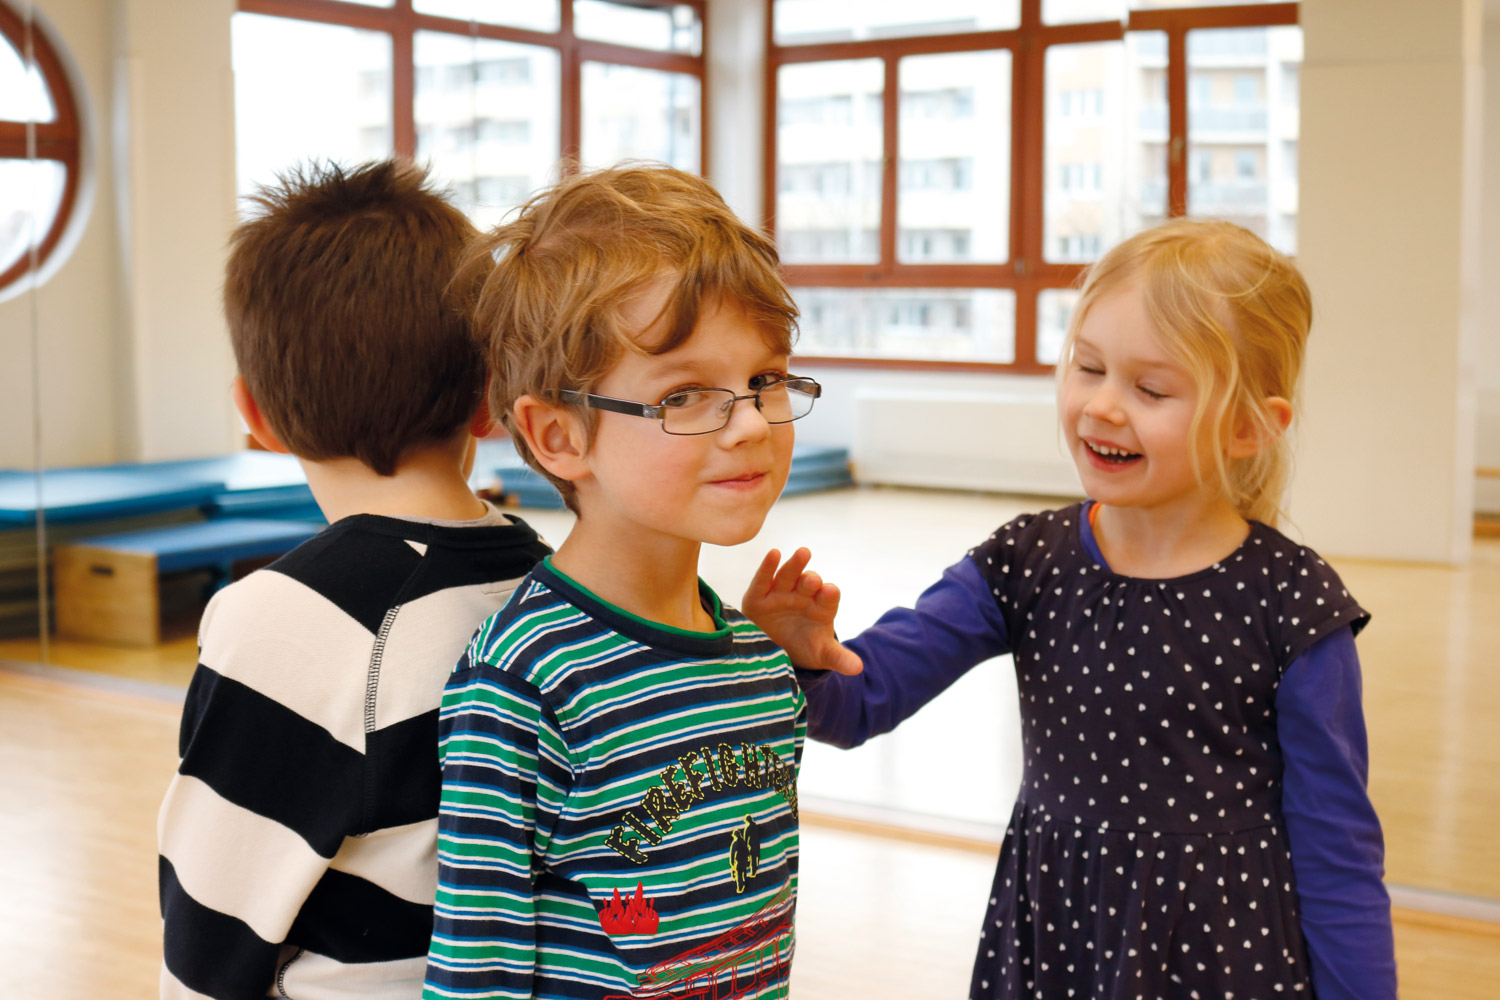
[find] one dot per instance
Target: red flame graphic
(637, 917)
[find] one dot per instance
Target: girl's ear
(260, 429)
(556, 436)
(1252, 436)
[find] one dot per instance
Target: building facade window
(494, 97)
(937, 187)
(41, 150)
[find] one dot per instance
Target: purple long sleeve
(911, 656)
(1338, 852)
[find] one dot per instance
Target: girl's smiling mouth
(1108, 455)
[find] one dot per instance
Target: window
(491, 95)
(40, 151)
(940, 175)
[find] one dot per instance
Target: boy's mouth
(741, 482)
(1109, 454)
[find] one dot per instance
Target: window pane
(802, 22)
(1243, 124)
(829, 147)
(1161, 4)
(943, 324)
(23, 93)
(1106, 144)
(632, 113)
(487, 119)
(1054, 309)
(538, 15)
(1082, 11)
(665, 29)
(953, 200)
(30, 195)
(279, 65)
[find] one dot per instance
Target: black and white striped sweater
(298, 838)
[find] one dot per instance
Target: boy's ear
(254, 419)
(482, 423)
(555, 436)
(1251, 436)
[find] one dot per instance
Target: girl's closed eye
(1150, 393)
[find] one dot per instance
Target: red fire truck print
(751, 959)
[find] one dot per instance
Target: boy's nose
(746, 421)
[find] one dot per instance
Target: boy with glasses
(620, 749)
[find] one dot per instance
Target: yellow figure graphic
(744, 854)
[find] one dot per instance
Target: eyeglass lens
(699, 411)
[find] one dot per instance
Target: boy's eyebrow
(692, 366)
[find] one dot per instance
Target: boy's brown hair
(555, 278)
(346, 326)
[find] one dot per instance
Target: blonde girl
(1193, 819)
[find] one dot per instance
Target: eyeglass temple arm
(612, 404)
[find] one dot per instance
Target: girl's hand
(796, 609)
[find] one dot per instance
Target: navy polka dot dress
(1146, 858)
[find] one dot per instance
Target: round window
(40, 148)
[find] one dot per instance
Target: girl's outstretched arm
(1338, 852)
(909, 656)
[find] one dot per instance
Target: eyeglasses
(703, 411)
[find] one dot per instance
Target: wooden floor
(84, 758)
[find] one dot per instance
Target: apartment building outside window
(986, 152)
(492, 95)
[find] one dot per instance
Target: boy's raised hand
(796, 609)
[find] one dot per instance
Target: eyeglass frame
(658, 411)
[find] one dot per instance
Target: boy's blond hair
(557, 276)
(1236, 312)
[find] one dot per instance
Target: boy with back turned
(298, 838)
(619, 801)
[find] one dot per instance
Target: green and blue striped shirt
(619, 805)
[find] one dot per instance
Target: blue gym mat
(209, 543)
(77, 495)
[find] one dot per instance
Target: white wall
(1487, 442)
(1389, 243)
(176, 112)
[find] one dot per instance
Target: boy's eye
(764, 379)
(683, 398)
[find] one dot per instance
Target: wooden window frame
(59, 140)
(402, 22)
(1027, 273)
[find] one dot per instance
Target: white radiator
(1000, 441)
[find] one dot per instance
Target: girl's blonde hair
(1236, 313)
